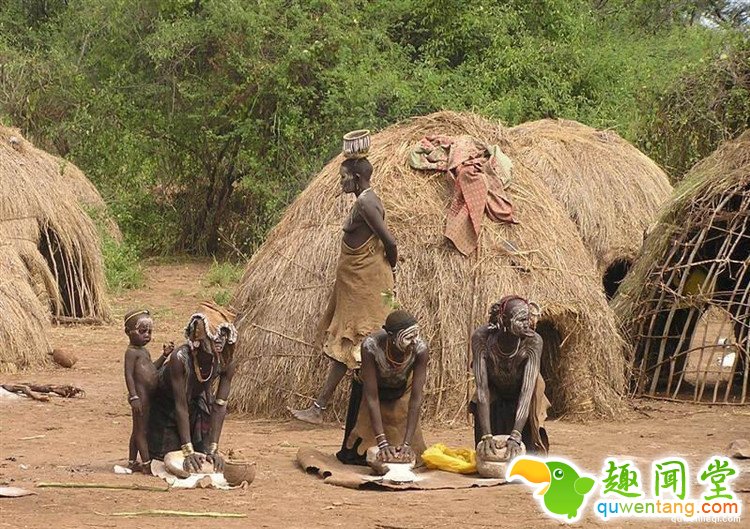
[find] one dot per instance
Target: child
(140, 378)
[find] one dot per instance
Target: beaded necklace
(390, 359)
(197, 369)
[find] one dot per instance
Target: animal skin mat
(334, 472)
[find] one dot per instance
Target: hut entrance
(614, 275)
(695, 343)
(552, 340)
(66, 273)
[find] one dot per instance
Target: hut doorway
(67, 275)
(552, 342)
(614, 275)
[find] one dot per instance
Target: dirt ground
(79, 440)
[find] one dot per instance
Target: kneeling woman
(186, 413)
(384, 407)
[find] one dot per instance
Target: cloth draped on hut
(503, 417)
(357, 305)
(481, 175)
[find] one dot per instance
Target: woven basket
(356, 143)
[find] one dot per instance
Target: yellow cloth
(458, 460)
(357, 306)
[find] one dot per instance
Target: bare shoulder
(370, 343)
(136, 352)
(421, 347)
(480, 333)
(369, 202)
(534, 342)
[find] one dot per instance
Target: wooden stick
(683, 401)
(69, 320)
(284, 335)
(133, 486)
(162, 512)
(22, 388)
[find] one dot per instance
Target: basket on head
(356, 143)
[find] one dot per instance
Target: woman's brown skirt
(359, 435)
(357, 306)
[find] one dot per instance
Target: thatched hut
(685, 306)
(288, 280)
(610, 189)
(50, 257)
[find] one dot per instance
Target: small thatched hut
(50, 257)
(685, 306)
(610, 189)
(288, 280)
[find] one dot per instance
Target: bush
(223, 274)
(199, 121)
(121, 265)
(709, 103)
(222, 297)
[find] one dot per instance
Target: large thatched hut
(610, 189)
(685, 306)
(50, 257)
(288, 280)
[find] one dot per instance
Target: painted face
(348, 180)
(520, 321)
(141, 334)
(406, 338)
(218, 344)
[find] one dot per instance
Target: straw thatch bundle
(692, 279)
(50, 259)
(23, 321)
(610, 189)
(40, 162)
(288, 280)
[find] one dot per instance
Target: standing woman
(384, 407)
(366, 268)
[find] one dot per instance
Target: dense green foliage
(199, 120)
(705, 105)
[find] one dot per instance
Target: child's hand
(137, 407)
(167, 349)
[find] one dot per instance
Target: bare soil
(84, 438)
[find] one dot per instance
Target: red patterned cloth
(480, 175)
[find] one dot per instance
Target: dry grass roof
(288, 280)
(610, 189)
(50, 257)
